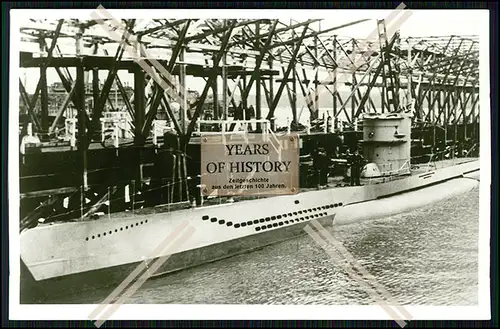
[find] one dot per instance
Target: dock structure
(81, 141)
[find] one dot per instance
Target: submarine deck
(333, 182)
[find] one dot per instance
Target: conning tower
(387, 144)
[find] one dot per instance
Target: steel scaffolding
(436, 77)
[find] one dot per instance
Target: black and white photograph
(267, 164)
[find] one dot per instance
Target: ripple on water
(427, 257)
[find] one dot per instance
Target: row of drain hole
(263, 227)
(116, 230)
(267, 219)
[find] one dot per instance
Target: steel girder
(427, 65)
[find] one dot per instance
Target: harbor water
(428, 256)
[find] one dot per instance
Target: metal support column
(473, 116)
(271, 83)
(258, 87)
(409, 77)
(182, 80)
(445, 110)
(334, 87)
(316, 76)
(139, 106)
(44, 97)
(244, 98)
(95, 88)
(224, 85)
(215, 93)
(294, 96)
(353, 87)
(82, 124)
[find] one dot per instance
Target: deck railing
(231, 126)
(430, 165)
(388, 176)
(158, 128)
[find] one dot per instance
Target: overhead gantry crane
(436, 78)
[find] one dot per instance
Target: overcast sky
(419, 23)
